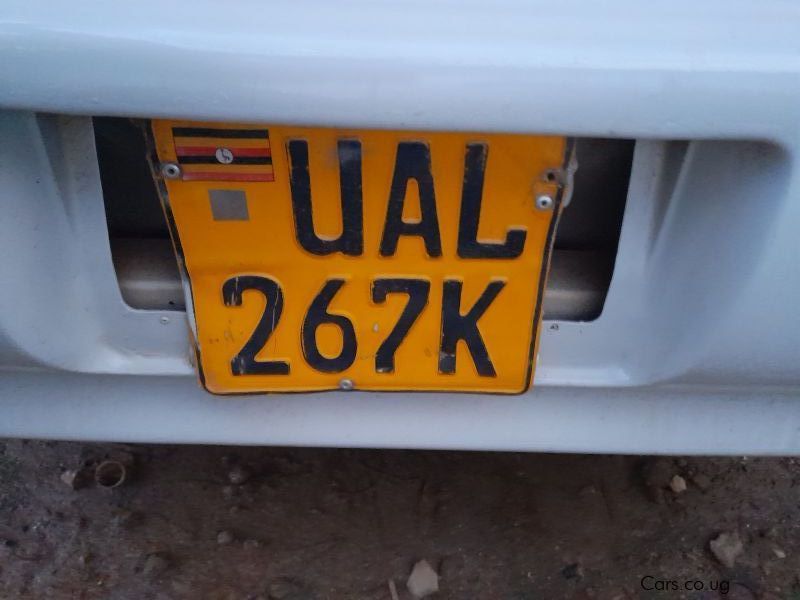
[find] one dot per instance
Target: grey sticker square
(228, 205)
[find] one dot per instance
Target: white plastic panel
(699, 227)
(662, 69)
(698, 221)
(60, 306)
(664, 420)
(704, 295)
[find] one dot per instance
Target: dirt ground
(301, 524)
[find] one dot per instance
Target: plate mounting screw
(170, 171)
(164, 320)
(544, 202)
(346, 384)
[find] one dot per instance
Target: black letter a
(413, 162)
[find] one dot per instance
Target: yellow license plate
(324, 259)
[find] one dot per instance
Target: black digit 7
(317, 315)
(417, 290)
(245, 363)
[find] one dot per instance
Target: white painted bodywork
(698, 346)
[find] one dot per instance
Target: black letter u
(351, 241)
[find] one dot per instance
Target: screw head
(170, 171)
(544, 202)
(346, 384)
(164, 320)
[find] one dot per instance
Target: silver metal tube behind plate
(149, 280)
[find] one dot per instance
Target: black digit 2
(317, 315)
(245, 363)
(417, 290)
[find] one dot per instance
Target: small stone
(155, 564)
(224, 538)
(423, 580)
(393, 590)
(779, 553)
(75, 478)
(677, 484)
(69, 476)
(726, 547)
(239, 475)
(702, 481)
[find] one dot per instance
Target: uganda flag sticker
(211, 154)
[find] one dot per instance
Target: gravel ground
(301, 524)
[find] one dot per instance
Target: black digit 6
(245, 363)
(317, 315)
